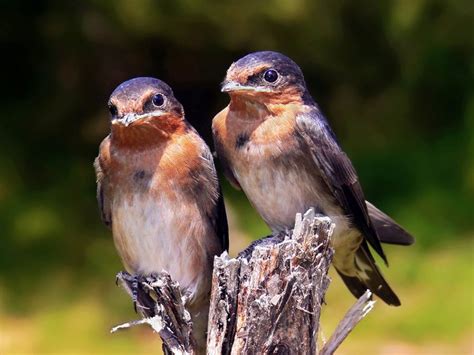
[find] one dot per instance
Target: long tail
(388, 230)
(368, 276)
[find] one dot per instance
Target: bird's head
(144, 107)
(265, 77)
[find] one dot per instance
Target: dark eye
(113, 110)
(270, 75)
(158, 100)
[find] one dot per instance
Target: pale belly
(279, 192)
(153, 234)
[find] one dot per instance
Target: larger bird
(157, 189)
(274, 143)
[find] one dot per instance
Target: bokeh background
(394, 77)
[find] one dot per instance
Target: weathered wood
(281, 287)
(160, 302)
(222, 316)
(358, 311)
(268, 300)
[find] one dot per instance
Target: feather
(338, 173)
(388, 230)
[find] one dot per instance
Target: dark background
(394, 78)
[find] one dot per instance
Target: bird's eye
(158, 100)
(113, 110)
(271, 75)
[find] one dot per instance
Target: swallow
(158, 191)
(277, 146)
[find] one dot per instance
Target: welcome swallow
(158, 191)
(275, 144)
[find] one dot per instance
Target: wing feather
(103, 183)
(217, 215)
(338, 173)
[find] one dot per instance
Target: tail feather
(387, 229)
(368, 276)
(354, 285)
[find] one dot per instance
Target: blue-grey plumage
(158, 191)
(276, 145)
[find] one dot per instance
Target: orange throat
(261, 105)
(148, 132)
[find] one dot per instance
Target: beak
(229, 86)
(232, 86)
(130, 118)
(125, 120)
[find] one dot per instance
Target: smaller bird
(274, 142)
(158, 191)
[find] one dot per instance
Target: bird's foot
(268, 240)
(132, 283)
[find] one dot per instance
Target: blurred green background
(395, 79)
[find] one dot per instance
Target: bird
(274, 143)
(158, 191)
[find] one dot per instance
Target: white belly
(279, 192)
(153, 234)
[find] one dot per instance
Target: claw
(135, 292)
(132, 283)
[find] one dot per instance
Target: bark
(281, 287)
(268, 300)
(159, 301)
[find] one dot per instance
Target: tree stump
(159, 301)
(266, 301)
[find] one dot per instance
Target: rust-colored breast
(160, 201)
(241, 133)
(156, 168)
